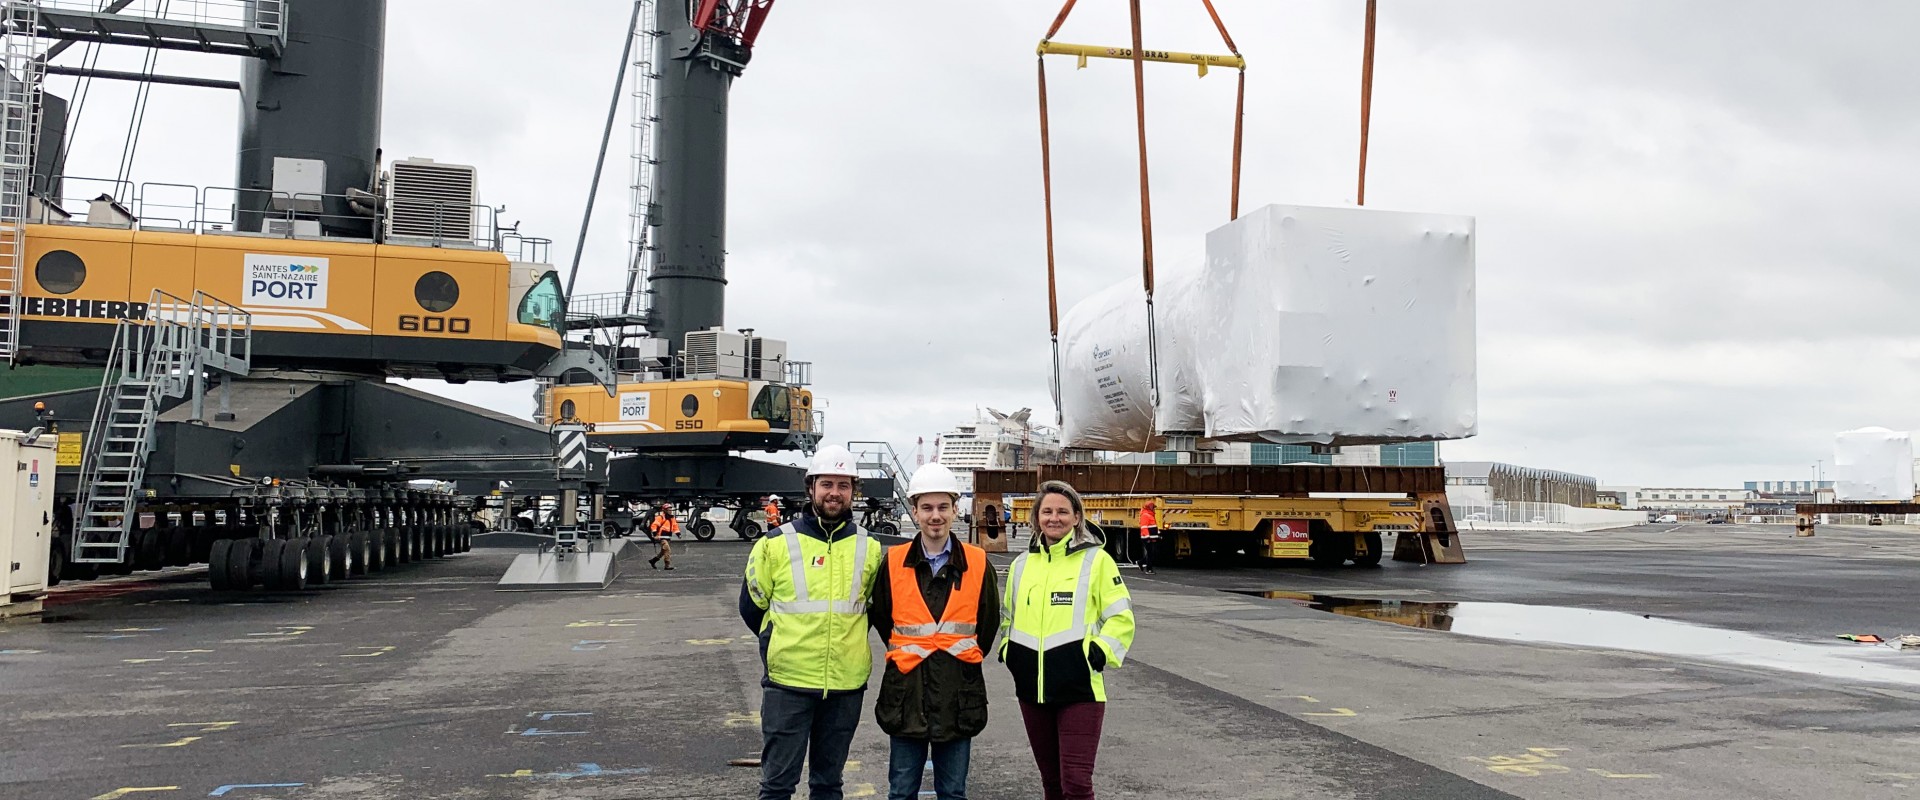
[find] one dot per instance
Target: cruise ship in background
(997, 440)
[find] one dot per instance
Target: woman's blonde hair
(1065, 490)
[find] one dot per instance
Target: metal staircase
(878, 460)
(19, 126)
(167, 355)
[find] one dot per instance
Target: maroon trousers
(1065, 738)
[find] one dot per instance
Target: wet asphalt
(426, 683)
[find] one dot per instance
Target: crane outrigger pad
(593, 566)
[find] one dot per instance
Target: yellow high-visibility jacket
(1066, 616)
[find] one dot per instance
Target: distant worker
(773, 512)
(936, 609)
(1057, 641)
(664, 527)
(1149, 537)
(805, 596)
(1006, 517)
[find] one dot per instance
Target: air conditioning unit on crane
(430, 200)
(715, 353)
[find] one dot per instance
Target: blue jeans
(949, 768)
(791, 724)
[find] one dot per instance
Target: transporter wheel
(241, 574)
(466, 539)
(143, 550)
(1372, 558)
(439, 534)
(272, 572)
(296, 565)
(403, 544)
(319, 562)
(751, 531)
(703, 530)
(56, 561)
(203, 539)
(180, 546)
(389, 548)
(1330, 549)
(217, 564)
(74, 571)
(340, 560)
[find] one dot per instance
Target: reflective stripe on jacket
(1062, 602)
(916, 634)
(814, 586)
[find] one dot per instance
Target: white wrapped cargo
(1873, 464)
(1336, 326)
(1339, 326)
(1106, 399)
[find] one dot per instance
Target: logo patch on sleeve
(1116, 580)
(1062, 598)
(819, 561)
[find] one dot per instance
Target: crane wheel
(272, 575)
(703, 530)
(296, 565)
(340, 560)
(217, 564)
(241, 574)
(319, 562)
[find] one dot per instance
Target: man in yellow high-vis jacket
(806, 592)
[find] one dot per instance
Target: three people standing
(938, 609)
(814, 585)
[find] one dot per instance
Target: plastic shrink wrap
(1873, 464)
(1338, 326)
(1106, 398)
(1327, 325)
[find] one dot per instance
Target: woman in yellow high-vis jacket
(1066, 617)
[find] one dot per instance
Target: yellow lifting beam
(1086, 51)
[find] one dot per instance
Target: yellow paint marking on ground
(123, 792)
(1338, 712)
(181, 742)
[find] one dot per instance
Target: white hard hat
(931, 478)
(833, 460)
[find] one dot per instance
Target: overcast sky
(1696, 221)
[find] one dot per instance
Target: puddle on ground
(1615, 630)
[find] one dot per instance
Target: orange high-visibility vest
(665, 523)
(915, 633)
(1146, 517)
(773, 516)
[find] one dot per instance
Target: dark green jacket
(944, 699)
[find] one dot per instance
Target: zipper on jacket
(826, 653)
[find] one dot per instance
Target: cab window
(544, 304)
(773, 406)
